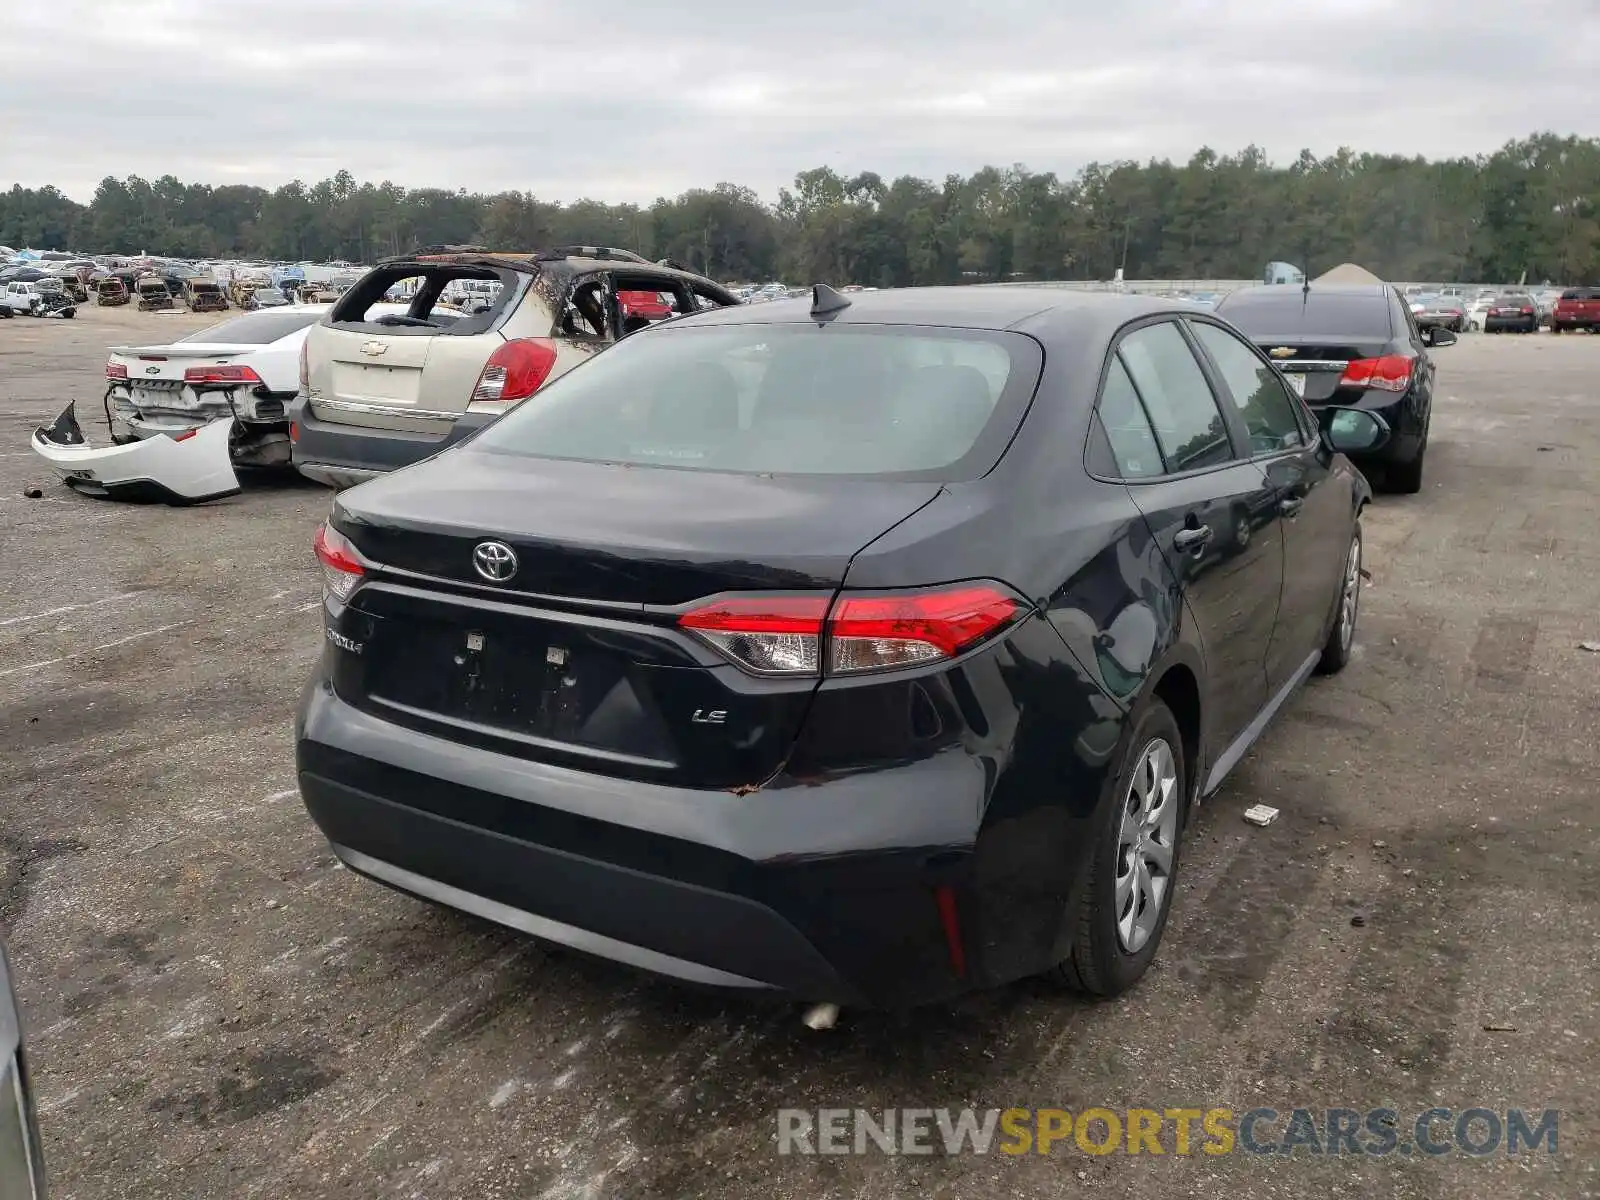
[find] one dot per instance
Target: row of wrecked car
(418, 354)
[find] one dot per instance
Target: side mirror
(1438, 336)
(1352, 430)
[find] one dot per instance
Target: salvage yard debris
(191, 468)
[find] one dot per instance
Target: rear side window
(1184, 413)
(1133, 442)
(1581, 294)
(874, 400)
(254, 329)
(1257, 390)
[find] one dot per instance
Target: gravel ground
(216, 1009)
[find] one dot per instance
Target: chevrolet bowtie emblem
(1282, 352)
(374, 348)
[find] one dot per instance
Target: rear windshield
(1581, 294)
(1515, 302)
(876, 400)
(1364, 318)
(254, 329)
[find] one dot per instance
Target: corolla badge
(495, 561)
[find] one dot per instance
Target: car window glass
(782, 399)
(1133, 442)
(1177, 397)
(1258, 391)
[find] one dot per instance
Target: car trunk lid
(384, 380)
(1313, 366)
(162, 378)
(578, 657)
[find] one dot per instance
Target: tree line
(1530, 209)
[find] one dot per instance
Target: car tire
(1405, 478)
(1113, 941)
(1342, 629)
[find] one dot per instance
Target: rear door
(410, 369)
(1212, 512)
(1315, 511)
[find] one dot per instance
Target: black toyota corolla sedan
(1356, 345)
(867, 649)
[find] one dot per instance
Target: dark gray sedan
(21, 1162)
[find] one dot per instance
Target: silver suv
(380, 390)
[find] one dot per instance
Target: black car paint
(815, 868)
(1407, 413)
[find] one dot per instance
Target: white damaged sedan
(184, 415)
(246, 369)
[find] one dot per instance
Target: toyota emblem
(495, 561)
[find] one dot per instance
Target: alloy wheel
(1147, 845)
(1350, 597)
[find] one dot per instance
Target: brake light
(515, 371)
(1527, 312)
(221, 374)
(800, 635)
(116, 370)
(185, 435)
(341, 567)
(1392, 373)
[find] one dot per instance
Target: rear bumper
(339, 455)
(822, 892)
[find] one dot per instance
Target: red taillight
(341, 568)
(116, 370)
(786, 635)
(305, 367)
(221, 374)
(1392, 373)
(185, 435)
(1527, 312)
(515, 371)
(294, 431)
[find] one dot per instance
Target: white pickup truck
(20, 299)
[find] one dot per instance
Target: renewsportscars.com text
(1372, 1132)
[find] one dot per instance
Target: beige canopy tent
(1347, 273)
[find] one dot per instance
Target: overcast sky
(631, 99)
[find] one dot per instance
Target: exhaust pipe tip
(820, 1016)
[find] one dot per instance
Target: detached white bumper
(194, 467)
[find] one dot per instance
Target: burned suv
(381, 390)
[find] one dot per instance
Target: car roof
(543, 261)
(1027, 309)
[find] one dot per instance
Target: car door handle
(1291, 507)
(1193, 539)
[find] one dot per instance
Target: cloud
(635, 99)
